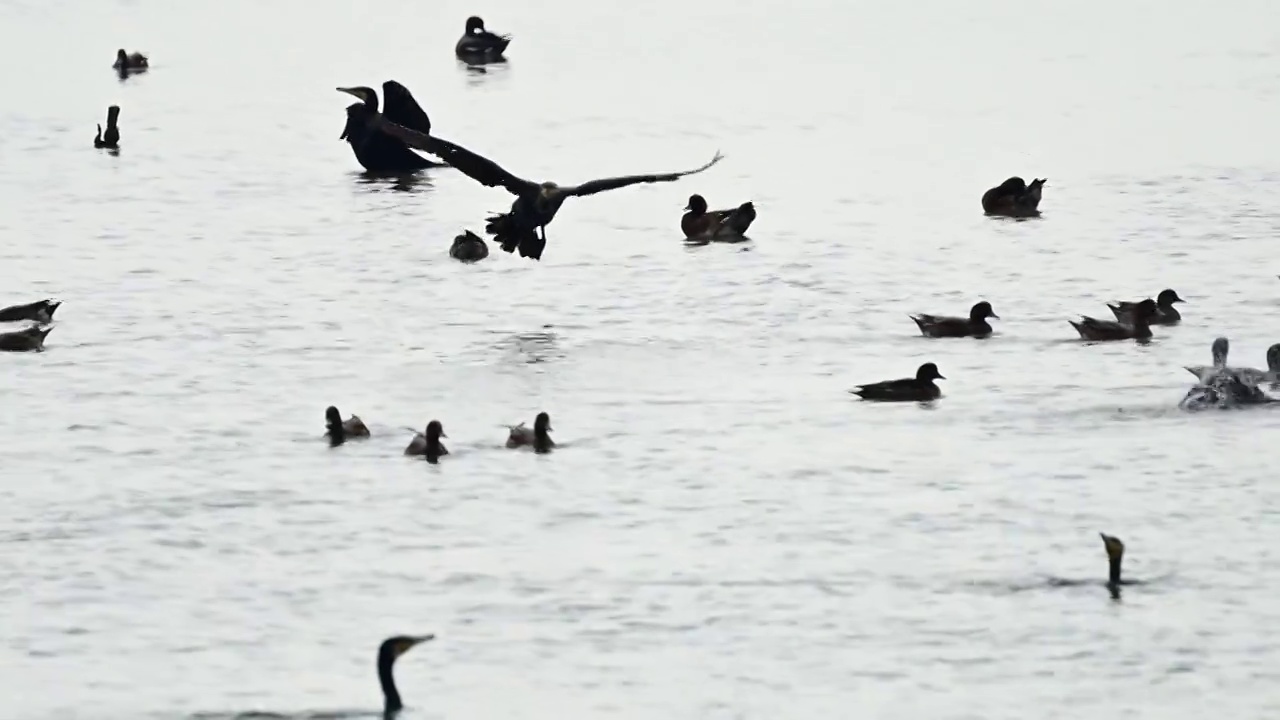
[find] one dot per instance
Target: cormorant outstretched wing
(480, 169)
(399, 107)
(597, 186)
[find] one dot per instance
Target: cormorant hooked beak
(411, 641)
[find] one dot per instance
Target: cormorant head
(697, 204)
(393, 647)
(929, 371)
(1168, 297)
(542, 423)
(1219, 349)
(366, 95)
(1273, 357)
(474, 23)
(548, 189)
(982, 311)
(1115, 548)
(435, 430)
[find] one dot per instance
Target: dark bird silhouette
(975, 325)
(1140, 329)
(339, 430)
(478, 44)
(536, 204)
(468, 247)
(127, 61)
(917, 389)
(539, 437)
(378, 152)
(390, 651)
(111, 139)
(428, 445)
(1166, 313)
(40, 311)
(1014, 198)
(29, 340)
(698, 223)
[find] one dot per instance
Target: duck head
(474, 24)
(1219, 349)
(982, 311)
(542, 424)
(1145, 310)
(697, 204)
(928, 372)
(1273, 358)
(435, 431)
(122, 56)
(332, 416)
(1014, 186)
(1168, 297)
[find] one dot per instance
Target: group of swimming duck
(427, 444)
(1218, 385)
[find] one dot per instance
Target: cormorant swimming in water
(378, 152)
(40, 311)
(388, 652)
(536, 204)
(112, 137)
(478, 44)
(538, 437)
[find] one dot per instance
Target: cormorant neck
(1114, 577)
(391, 695)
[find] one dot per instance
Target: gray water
(726, 532)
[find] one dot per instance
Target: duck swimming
(480, 44)
(130, 62)
(428, 444)
(1014, 198)
(468, 247)
(976, 325)
(112, 138)
(378, 152)
(920, 388)
(28, 340)
(1093, 329)
(1166, 313)
(538, 437)
(339, 431)
(390, 651)
(699, 223)
(40, 312)
(536, 204)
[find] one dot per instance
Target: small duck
(940, 326)
(29, 340)
(699, 223)
(1093, 329)
(112, 138)
(127, 61)
(40, 312)
(480, 44)
(1204, 373)
(920, 388)
(1166, 313)
(538, 437)
(468, 247)
(339, 430)
(429, 444)
(1014, 198)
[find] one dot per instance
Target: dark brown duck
(1140, 329)
(940, 326)
(1166, 313)
(1014, 198)
(920, 388)
(699, 223)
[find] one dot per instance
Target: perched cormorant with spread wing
(376, 151)
(536, 204)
